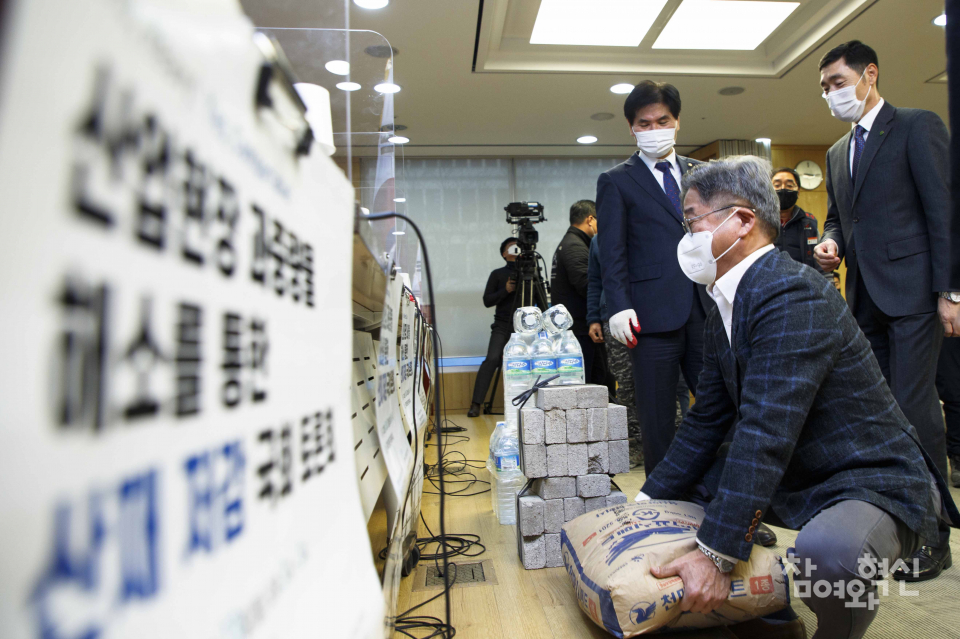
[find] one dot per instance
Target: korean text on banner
(176, 420)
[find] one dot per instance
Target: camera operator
(569, 275)
(500, 292)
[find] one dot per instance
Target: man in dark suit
(818, 442)
(568, 277)
(889, 217)
(653, 308)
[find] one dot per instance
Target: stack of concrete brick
(571, 443)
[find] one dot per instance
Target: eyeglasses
(688, 221)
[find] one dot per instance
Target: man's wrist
(722, 563)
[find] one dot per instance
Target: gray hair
(745, 178)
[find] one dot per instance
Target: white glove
(623, 325)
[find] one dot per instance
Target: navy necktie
(859, 141)
(670, 185)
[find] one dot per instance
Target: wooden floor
(532, 604)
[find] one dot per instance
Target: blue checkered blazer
(814, 420)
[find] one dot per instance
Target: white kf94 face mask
(844, 104)
(695, 254)
(656, 143)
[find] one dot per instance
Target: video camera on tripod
(534, 290)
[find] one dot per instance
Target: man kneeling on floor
(818, 443)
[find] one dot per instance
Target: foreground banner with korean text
(175, 434)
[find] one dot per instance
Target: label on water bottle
(544, 366)
(516, 368)
(508, 462)
(569, 364)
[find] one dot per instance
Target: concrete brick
(533, 424)
(576, 426)
(617, 422)
(619, 456)
(598, 460)
(593, 485)
(533, 552)
(572, 508)
(596, 424)
(555, 427)
(576, 459)
(615, 498)
(534, 460)
(562, 397)
(557, 460)
(531, 515)
(591, 504)
(553, 515)
(592, 396)
(556, 487)
(551, 546)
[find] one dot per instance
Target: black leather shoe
(765, 537)
(930, 563)
(474, 410)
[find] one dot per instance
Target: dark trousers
(658, 361)
(948, 387)
(907, 349)
(499, 336)
(588, 348)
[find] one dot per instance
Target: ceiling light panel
(600, 23)
(735, 25)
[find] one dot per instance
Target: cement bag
(608, 554)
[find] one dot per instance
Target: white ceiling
(451, 110)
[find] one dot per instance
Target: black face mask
(788, 198)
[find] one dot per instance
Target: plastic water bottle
(509, 477)
(517, 377)
(570, 360)
(543, 358)
(527, 320)
(557, 319)
(492, 468)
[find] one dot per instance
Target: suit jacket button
(755, 522)
(748, 538)
(856, 219)
(759, 513)
(751, 529)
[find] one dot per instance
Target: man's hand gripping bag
(609, 553)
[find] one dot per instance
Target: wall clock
(811, 175)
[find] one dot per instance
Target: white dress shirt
(723, 291)
(867, 123)
(657, 173)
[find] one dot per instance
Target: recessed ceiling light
(398, 139)
(387, 87)
(763, 141)
(399, 233)
(735, 25)
(621, 89)
(587, 139)
(371, 4)
(400, 199)
(940, 20)
(338, 67)
(611, 23)
(731, 90)
(348, 86)
(601, 117)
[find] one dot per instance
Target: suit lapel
(728, 362)
(641, 175)
(841, 173)
(879, 132)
